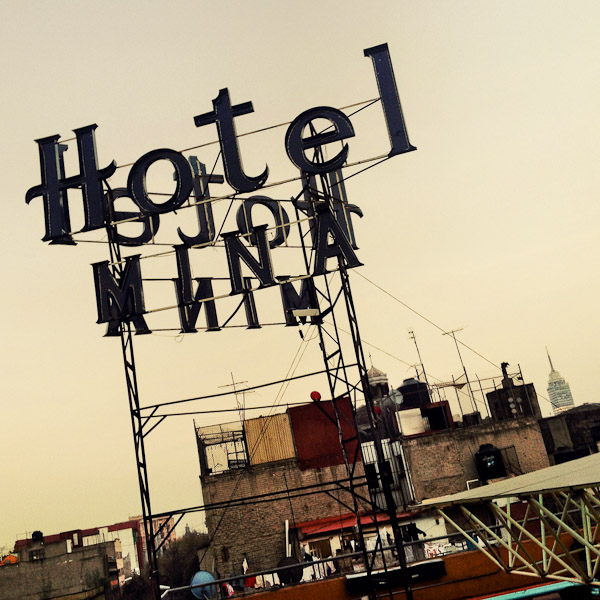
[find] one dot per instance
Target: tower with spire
(378, 382)
(559, 390)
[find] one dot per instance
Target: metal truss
(333, 296)
(138, 423)
(567, 547)
(345, 378)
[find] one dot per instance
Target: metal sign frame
(119, 292)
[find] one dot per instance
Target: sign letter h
(54, 185)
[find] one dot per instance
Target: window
(320, 548)
(36, 554)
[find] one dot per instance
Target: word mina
(120, 296)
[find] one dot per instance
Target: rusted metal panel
(316, 433)
(269, 439)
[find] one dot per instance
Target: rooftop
(576, 474)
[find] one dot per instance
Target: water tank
(289, 570)
(472, 419)
(563, 455)
(414, 393)
(411, 421)
(37, 536)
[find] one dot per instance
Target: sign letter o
(136, 181)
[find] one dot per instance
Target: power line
(223, 410)
(424, 318)
(363, 103)
(254, 387)
(437, 327)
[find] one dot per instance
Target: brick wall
(442, 463)
(259, 529)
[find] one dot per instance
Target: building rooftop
(576, 474)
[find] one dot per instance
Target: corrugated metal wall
(269, 439)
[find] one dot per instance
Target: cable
(366, 104)
(437, 327)
(251, 453)
(424, 317)
(223, 410)
(254, 387)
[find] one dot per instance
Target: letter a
(326, 225)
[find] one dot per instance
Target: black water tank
(289, 570)
(564, 454)
(414, 394)
(37, 536)
(489, 463)
(472, 419)
(595, 431)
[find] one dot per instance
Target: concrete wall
(574, 428)
(59, 573)
(442, 463)
(579, 421)
(556, 434)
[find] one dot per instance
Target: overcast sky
(490, 227)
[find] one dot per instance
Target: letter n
(236, 251)
(190, 302)
(120, 299)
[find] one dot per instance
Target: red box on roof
(316, 433)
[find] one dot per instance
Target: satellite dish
(203, 578)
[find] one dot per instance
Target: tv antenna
(411, 335)
(453, 334)
(239, 393)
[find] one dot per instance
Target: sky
(489, 228)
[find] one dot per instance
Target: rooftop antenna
(483, 396)
(416, 368)
(453, 334)
(240, 404)
(411, 335)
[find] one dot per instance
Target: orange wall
(468, 574)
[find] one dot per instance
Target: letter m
(121, 298)
(299, 306)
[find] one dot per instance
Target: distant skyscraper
(558, 389)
